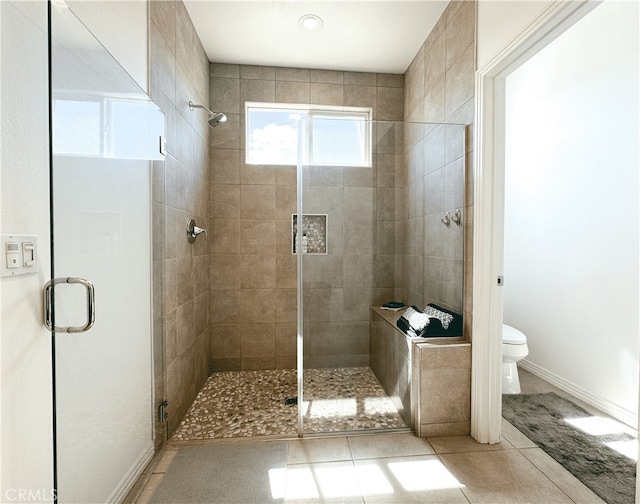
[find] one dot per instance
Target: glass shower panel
(436, 205)
(347, 265)
(391, 229)
(105, 134)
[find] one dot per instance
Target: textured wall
(179, 73)
(25, 345)
(439, 88)
(252, 270)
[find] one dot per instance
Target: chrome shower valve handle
(193, 231)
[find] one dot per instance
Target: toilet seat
(511, 336)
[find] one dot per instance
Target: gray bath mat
(230, 474)
(541, 417)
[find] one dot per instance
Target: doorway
(489, 194)
(571, 209)
(486, 389)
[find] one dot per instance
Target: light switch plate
(24, 243)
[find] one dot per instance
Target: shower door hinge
(500, 281)
(162, 414)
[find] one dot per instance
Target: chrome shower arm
(194, 105)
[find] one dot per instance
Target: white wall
(500, 22)
(25, 350)
(571, 207)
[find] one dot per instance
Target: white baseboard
(132, 476)
(604, 405)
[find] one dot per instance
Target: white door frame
(488, 238)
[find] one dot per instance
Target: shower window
(113, 128)
(340, 136)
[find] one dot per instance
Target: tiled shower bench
(429, 379)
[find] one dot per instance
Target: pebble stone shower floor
(252, 403)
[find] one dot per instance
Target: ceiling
(361, 36)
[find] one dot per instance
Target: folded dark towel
(444, 323)
(393, 306)
(433, 322)
(444, 317)
(413, 322)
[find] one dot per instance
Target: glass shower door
(346, 203)
(105, 132)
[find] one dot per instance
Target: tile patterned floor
(252, 403)
(400, 468)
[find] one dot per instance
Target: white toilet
(514, 348)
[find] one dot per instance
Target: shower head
(215, 118)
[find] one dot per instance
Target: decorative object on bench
(433, 322)
(413, 322)
(444, 317)
(444, 323)
(393, 305)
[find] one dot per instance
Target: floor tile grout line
(546, 476)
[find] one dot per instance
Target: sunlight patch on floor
(598, 426)
(423, 475)
(375, 405)
(343, 480)
(627, 448)
(372, 480)
(277, 480)
(325, 408)
(337, 482)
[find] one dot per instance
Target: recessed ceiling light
(310, 22)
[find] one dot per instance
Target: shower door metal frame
(302, 140)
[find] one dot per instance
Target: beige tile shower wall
(439, 88)
(252, 270)
(179, 72)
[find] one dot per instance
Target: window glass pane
(78, 127)
(272, 136)
(341, 142)
(339, 136)
(134, 130)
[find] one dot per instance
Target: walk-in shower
(291, 347)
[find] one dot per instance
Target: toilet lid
(512, 336)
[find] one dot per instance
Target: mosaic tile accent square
(314, 226)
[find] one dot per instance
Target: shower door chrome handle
(48, 304)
